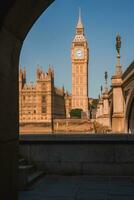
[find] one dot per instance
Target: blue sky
(49, 40)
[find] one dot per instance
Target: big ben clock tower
(79, 58)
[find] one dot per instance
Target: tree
(76, 113)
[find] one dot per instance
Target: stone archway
(16, 19)
(129, 115)
(131, 118)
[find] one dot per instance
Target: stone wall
(40, 101)
(73, 126)
(77, 154)
(16, 19)
(59, 125)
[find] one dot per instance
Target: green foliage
(94, 103)
(76, 113)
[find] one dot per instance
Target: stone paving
(80, 188)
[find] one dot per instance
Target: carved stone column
(118, 99)
(100, 111)
(118, 105)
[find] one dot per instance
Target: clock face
(79, 53)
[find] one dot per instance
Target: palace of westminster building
(43, 102)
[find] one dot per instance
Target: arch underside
(131, 118)
(111, 113)
(16, 19)
(129, 115)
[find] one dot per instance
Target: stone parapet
(80, 154)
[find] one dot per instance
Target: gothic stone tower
(79, 58)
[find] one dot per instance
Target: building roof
(79, 24)
(79, 37)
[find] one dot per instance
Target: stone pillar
(9, 114)
(14, 25)
(118, 105)
(50, 101)
(97, 112)
(118, 124)
(106, 117)
(100, 111)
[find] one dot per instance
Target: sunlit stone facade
(41, 101)
(79, 58)
(116, 106)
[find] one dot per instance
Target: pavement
(56, 187)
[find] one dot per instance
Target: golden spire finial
(79, 13)
(79, 24)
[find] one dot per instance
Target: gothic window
(77, 80)
(81, 69)
(78, 103)
(81, 80)
(81, 91)
(43, 104)
(43, 99)
(77, 91)
(43, 109)
(77, 69)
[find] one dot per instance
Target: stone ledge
(76, 138)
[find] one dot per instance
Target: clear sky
(49, 40)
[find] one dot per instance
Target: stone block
(124, 153)
(68, 168)
(102, 169)
(9, 59)
(124, 169)
(72, 153)
(112, 155)
(8, 170)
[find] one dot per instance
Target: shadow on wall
(16, 19)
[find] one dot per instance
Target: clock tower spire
(79, 27)
(79, 58)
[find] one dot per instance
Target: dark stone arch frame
(16, 19)
(129, 105)
(130, 117)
